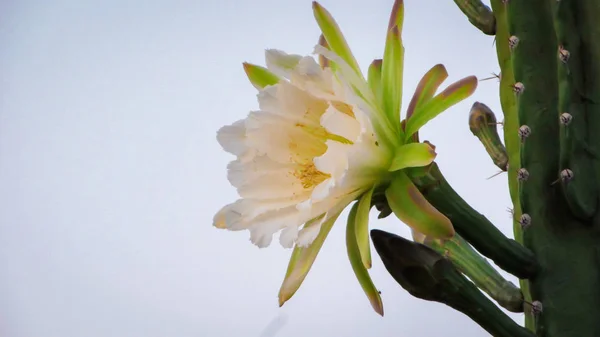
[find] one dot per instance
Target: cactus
(549, 56)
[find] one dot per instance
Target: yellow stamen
(309, 176)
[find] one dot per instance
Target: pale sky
(110, 172)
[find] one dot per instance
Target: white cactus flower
(323, 137)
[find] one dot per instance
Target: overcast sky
(110, 171)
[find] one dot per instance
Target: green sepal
(361, 272)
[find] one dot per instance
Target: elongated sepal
(392, 76)
(427, 275)
(397, 15)
(362, 227)
(474, 227)
(411, 207)
(412, 155)
(452, 95)
(354, 255)
(483, 125)
(374, 78)
(333, 36)
(260, 77)
(478, 270)
(479, 15)
(426, 88)
(301, 261)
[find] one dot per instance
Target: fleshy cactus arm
(427, 275)
(474, 227)
(479, 15)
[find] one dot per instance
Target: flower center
(309, 176)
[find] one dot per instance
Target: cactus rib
(578, 187)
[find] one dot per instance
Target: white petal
(334, 161)
(292, 103)
(264, 226)
(265, 178)
(347, 73)
(229, 216)
(308, 234)
(281, 63)
(340, 124)
(232, 138)
(321, 191)
(288, 236)
(282, 141)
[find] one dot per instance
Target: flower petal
(232, 138)
(281, 63)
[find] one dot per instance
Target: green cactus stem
(479, 15)
(478, 270)
(566, 248)
(474, 227)
(483, 125)
(576, 167)
(428, 275)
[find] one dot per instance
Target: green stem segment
(478, 270)
(577, 171)
(479, 15)
(474, 227)
(427, 275)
